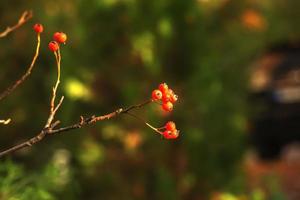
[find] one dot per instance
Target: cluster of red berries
(171, 132)
(58, 37)
(166, 95)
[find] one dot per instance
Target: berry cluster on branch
(163, 96)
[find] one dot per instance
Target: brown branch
(22, 20)
(82, 123)
(11, 88)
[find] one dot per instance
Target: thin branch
(11, 88)
(5, 121)
(82, 123)
(157, 130)
(26, 15)
(53, 108)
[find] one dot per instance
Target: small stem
(147, 124)
(26, 15)
(5, 121)
(27, 73)
(54, 108)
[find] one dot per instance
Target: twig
(11, 88)
(53, 108)
(5, 121)
(82, 123)
(26, 15)
(157, 130)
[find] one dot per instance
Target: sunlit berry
(170, 134)
(171, 92)
(38, 28)
(53, 46)
(170, 126)
(167, 134)
(167, 106)
(174, 98)
(163, 87)
(175, 134)
(156, 95)
(60, 37)
(166, 97)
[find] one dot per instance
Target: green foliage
(15, 184)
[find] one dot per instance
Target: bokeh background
(117, 52)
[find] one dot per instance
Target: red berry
(171, 92)
(167, 134)
(167, 106)
(163, 87)
(171, 134)
(156, 95)
(170, 126)
(174, 98)
(53, 46)
(175, 134)
(60, 37)
(38, 28)
(166, 97)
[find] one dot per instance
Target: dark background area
(117, 52)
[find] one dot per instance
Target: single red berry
(156, 95)
(167, 106)
(174, 98)
(170, 126)
(60, 37)
(166, 97)
(163, 87)
(167, 134)
(171, 134)
(53, 46)
(38, 28)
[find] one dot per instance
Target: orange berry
(60, 37)
(53, 46)
(38, 28)
(156, 95)
(166, 97)
(170, 134)
(167, 106)
(174, 98)
(170, 126)
(163, 87)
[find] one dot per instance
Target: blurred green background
(117, 52)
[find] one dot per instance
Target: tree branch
(11, 88)
(26, 15)
(47, 131)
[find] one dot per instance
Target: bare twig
(26, 15)
(5, 121)
(82, 123)
(27, 73)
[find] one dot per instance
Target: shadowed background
(117, 52)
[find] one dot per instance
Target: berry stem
(27, 73)
(54, 108)
(5, 121)
(147, 124)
